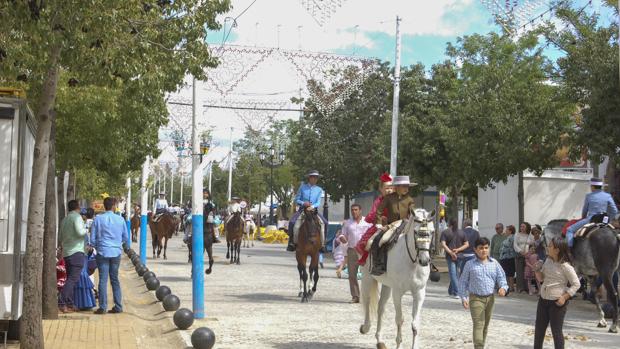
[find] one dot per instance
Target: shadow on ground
(316, 345)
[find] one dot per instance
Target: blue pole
(144, 210)
(198, 299)
(128, 212)
(128, 233)
(198, 266)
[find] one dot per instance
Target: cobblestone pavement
(255, 305)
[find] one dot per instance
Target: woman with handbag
(84, 296)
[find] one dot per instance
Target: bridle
(421, 235)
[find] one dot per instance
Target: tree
(348, 147)
(488, 113)
(588, 73)
(154, 43)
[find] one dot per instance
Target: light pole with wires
(271, 160)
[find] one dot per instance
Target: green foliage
(349, 147)
(589, 74)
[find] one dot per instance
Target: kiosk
(17, 138)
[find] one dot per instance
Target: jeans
(461, 262)
(109, 266)
(453, 289)
(570, 232)
(547, 313)
(481, 309)
(74, 264)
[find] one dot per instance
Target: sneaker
(115, 311)
(456, 297)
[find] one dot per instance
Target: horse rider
(596, 202)
(234, 206)
(396, 206)
(308, 196)
(161, 206)
(208, 212)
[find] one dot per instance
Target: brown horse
(234, 234)
(135, 223)
(209, 229)
(161, 231)
(308, 244)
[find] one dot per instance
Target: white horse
(249, 233)
(408, 269)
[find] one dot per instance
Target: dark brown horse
(161, 231)
(209, 230)
(234, 235)
(135, 223)
(308, 244)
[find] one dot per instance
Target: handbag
(91, 264)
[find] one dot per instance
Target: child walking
(480, 278)
(531, 262)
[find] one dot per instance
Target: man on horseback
(397, 206)
(595, 203)
(161, 207)
(308, 198)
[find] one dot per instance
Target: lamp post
(271, 160)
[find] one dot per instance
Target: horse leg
(238, 252)
(165, 246)
(304, 279)
(369, 299)
(416, 312)
(612, 298)
(314, 272)
(385, 296)
(227, 249)
(602, 323)
(301, 278)
(398, 308)
(210, 253)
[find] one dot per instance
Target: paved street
(255, 305)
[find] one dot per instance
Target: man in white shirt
(352, 230)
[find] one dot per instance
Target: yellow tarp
(272, 237)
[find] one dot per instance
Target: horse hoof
(208, 271)
(613, 330)
(304, 299)
(381, 346)
(601, 325)
(362, 330)
(300, 294)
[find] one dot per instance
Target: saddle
(590, 228)
(382, 242)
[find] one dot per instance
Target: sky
(358, 28)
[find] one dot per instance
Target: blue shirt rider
(309, 194)
(595, 202)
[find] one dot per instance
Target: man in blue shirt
(595, 202)
(109, 233)
(308, 196)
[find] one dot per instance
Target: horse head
(423, 230)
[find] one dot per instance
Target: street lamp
(272, 161)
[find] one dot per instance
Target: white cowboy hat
(403, 180)
(313, 173)
(596, 182)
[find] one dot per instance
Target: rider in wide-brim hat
(309, 195)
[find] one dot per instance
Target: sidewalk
(143, 323)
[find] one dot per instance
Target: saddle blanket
(589, 228)
(387, 236)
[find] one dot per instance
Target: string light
(322, 10)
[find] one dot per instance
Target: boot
(291, 247)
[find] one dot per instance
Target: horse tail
(369, 292)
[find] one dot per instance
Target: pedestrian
(71, 238)
(84, 289)
(497, 240)
(522, 240)
(531, 260)
(453, 239)
(507, 255)
(555, 274)
(352, 230)
(537, 242)
(478, 281)
(339, 249)
(109, 232)
(467, 253)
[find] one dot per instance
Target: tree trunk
(347, 206)
(454, 203)
(49, 292)
(31, 328)
(61, 194)
(613, 180)
(520, 199)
